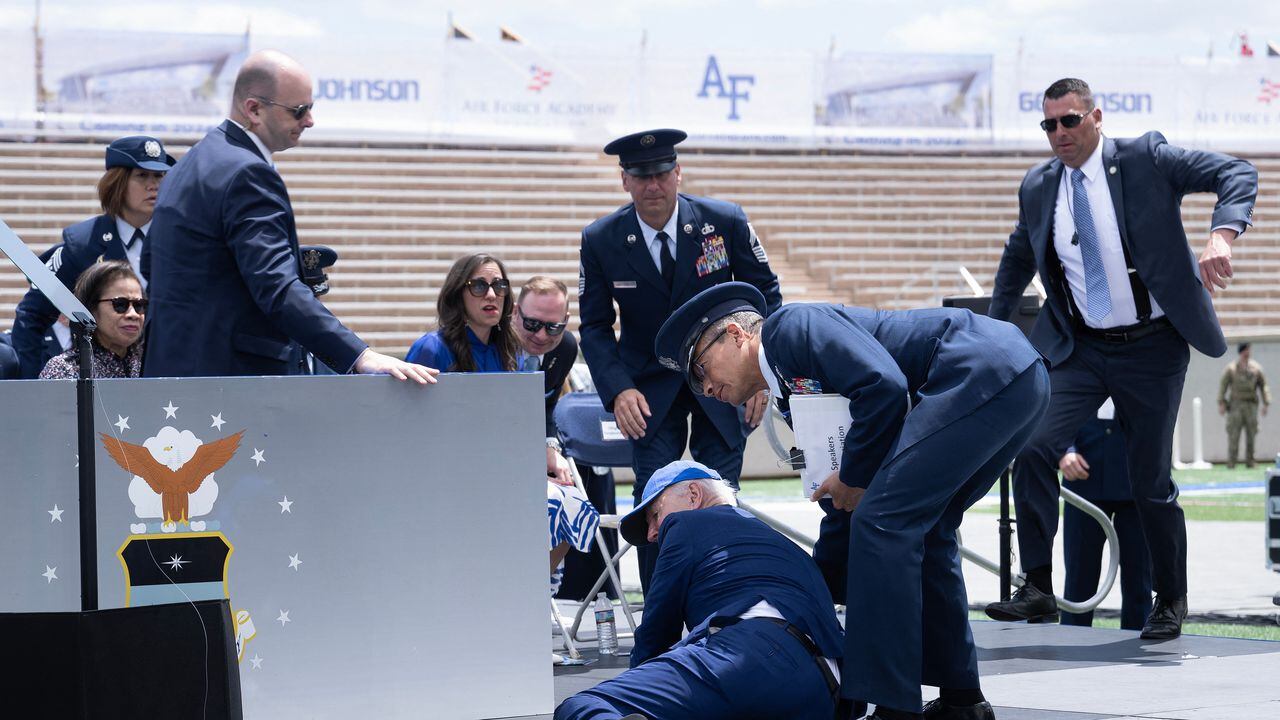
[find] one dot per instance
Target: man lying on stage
(763, 639)
(941, 401)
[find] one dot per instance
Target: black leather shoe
(1165, 620)
(1029, 603)
(938, 710)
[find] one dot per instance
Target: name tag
(624, 284)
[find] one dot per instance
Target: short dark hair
(1067, 86)
(1243, 347)
(94, 280)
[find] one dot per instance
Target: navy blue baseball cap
(635, 525)
(139, 151)
(651, 152)
(679, 334)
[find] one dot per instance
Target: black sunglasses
(480, 287)
(534, 326)
(1068, 121)
(695, 366)
(297, 111)
(121, 304)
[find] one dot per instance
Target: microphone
(1075, 238)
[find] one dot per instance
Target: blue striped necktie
(1097, 292)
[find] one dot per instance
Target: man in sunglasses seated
(226, 287)
(763, 638)
(1101, 223)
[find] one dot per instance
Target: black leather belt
(807, 642)
(1127, 333)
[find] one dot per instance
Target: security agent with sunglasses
(1102, 225)
(127, 194)
(228, 296)
(649, 257)
(941, 400)
(763, 638)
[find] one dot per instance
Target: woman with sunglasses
(127, 192)
(113, 293)
(474, 316)
(474, 312)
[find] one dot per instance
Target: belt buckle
(1115, 337)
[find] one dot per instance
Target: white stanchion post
(1197, 427)
(1177, 447)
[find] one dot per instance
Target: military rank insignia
(714, 256)
(804, 386)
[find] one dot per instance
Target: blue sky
(1094, 27)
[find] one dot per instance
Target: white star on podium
(50, 573)
(294, 562)
(285, 505)
(284, 618)
(122, 423)
(170, 410)
(256, 661)
(55, 515)
(218, 422)
(176, 562)
(257, 457)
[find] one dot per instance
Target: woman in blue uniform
(127, 193)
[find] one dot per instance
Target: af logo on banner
(731, 87)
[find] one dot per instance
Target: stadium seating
(871, 229)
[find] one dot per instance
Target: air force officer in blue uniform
(127, 192)
(227, 297)
(649, 257)
(763, 637)
(1102, 225)
(941, 401)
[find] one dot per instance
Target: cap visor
(635, 525)
(650, 168)
(154, 165)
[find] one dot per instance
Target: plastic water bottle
(606, 629)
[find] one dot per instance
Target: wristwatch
(554, 444)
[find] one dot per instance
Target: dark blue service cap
(315, 258)
(139, 151)
(679, 334)
(651, 152)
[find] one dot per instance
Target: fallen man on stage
(763, 638)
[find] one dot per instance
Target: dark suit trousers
(1083, 543)
(908, 612)
(1145, 379)
(666, 443)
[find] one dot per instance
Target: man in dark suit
(763, 637)
(1095, 469)
(119, 233)
(975, 389)
(227, 296)
(1102, 225)
(649, 257)
(541, 321)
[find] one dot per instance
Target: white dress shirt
(262, 148)
(651, 237)
(1123, 310)
(133, 250)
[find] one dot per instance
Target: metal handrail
(1093, 511)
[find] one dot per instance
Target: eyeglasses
(534, 326)
(1069, 121)
(121, 304)
(696, 367)
(297, 111)
(480, 287)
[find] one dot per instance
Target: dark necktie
(666, 262)
(137, 235)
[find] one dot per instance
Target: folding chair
(590, 436)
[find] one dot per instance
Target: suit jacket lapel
(1111, 170)
(1049, 184)
(638, 252)
(688, 247)
(240, 137)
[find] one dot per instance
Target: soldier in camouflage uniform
(1242, 387)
